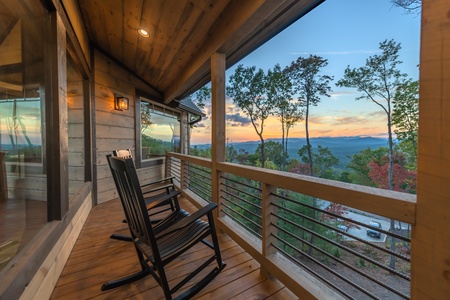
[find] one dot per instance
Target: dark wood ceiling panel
(131, 22)
(183, 34)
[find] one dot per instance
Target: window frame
(139, 161)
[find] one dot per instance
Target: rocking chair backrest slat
(132, 199)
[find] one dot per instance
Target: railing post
(218, 122)
(166, 165)
(268, 231)
(184, 174)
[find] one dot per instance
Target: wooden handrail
(390, 204)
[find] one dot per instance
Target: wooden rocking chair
(155, 250)
(165, 199)
(149, 189)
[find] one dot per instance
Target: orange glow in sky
(370, 121)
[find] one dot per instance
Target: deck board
(96, 259)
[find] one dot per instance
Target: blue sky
(346, 32)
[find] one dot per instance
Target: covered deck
(96, 259)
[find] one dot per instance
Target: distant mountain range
(341, 147)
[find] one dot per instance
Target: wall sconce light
(120, 103)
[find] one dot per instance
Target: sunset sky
(346, 32)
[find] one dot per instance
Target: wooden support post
(57, 121)
(166, 165)
(430, 251)
(184, 133)
(218, 121)
(184, 174)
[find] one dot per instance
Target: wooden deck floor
(96, 258)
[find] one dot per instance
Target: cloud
(349, 120)
(341, 93)
(379, 113)
(238, 120)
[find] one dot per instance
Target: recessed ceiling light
(143, 32)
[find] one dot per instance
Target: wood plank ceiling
(184, 34)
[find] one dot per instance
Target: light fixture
(120, 103)
(143, 32)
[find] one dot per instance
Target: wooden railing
(310, 233)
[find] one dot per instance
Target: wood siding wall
(116, 129)
(75, 135)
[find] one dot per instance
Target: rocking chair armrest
(166, 186)
(188, 220)
(159, 181)
(163, 198)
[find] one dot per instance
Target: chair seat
(175, 243)
(171, 219)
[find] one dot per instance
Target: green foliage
(248, 88)
(289, 111)
(156, 146)
(360, 165)
(323, 161)
(201, 95)
(243, 202)
(360, 262)
(309, 86)
(377, 81)
(145, 116)
(205, 153)
(307, 83)
(406, 119)
(379, 78)
(274, 153)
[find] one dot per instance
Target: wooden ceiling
(184, 34)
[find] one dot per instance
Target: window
(23, 178)
(160, 130)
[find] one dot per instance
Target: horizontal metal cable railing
(354, 239)
(173, 167)
(324, 239)
(193, 175)
(198, 179)
(241, 201)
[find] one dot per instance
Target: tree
(411, 6)
(406, 118)
(279, 90)
(378, 81)
(359, 165)
(310, 86)
(323, 159)
(403, 180)
(248, 88)
(201, 95)
(145, 116)
(274, 153)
